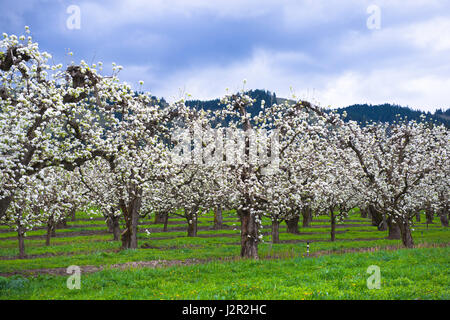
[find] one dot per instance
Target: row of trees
(72, 139)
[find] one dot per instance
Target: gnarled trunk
(249, 234)
(109, 223)
(378, 218)
(113, 226)
(394, 229)
(191, 217)
(292, 225)
(218, 218)
(307, 216)
(131, 217)
(192, 228)
(275, 231)
(405, 230)
(73, 213)
(4, 205)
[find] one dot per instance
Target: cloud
(398, 86)
(322, 49)
(263, 70)
(275, 71)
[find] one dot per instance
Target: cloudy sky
(334, 52)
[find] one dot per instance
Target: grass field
(169, 265)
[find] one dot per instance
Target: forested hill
(361, 113)
(364, 113)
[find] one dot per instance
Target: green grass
(214, 280)
(405, 274)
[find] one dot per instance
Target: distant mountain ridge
(362, 113)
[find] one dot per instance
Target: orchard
(73, 140)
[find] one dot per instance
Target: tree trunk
(192, 228)
(166, 221)
(73, 213)
(333, 225)
(131, 216)
(21, 238)
(429, 215)
(109, 223)
(444, 217)
(50, 230)
(405, 230)
(191, 218)
(378, 218)
(369, 214)
(418, 216)
(159, 218)
(394, 229)
(307, 216)
(4, 205)
(249, 234)
(363, 212)
(61, 224)
(114, 227)
(48, 235)
(275, 231)
(292, 225)
(218, 218)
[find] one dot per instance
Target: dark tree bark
(249, 234)
(275, 231)
(4, 205)
(51, 226)
(292, 225)
(166, 221)
(191, 217)
(131, 217)
(192, 228)
(21, 239)
(61, 224)
(429, 215)
(333, 225)
(48, 235)
(218, 218)
(363, 212)
(307, 216)
(405, 230)
(109, 223)
(114, 226)
(393, 229)
(418, 216)
(378, 218)
(443, 214)
(116, 229)
(159, 218)
(73, 213)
